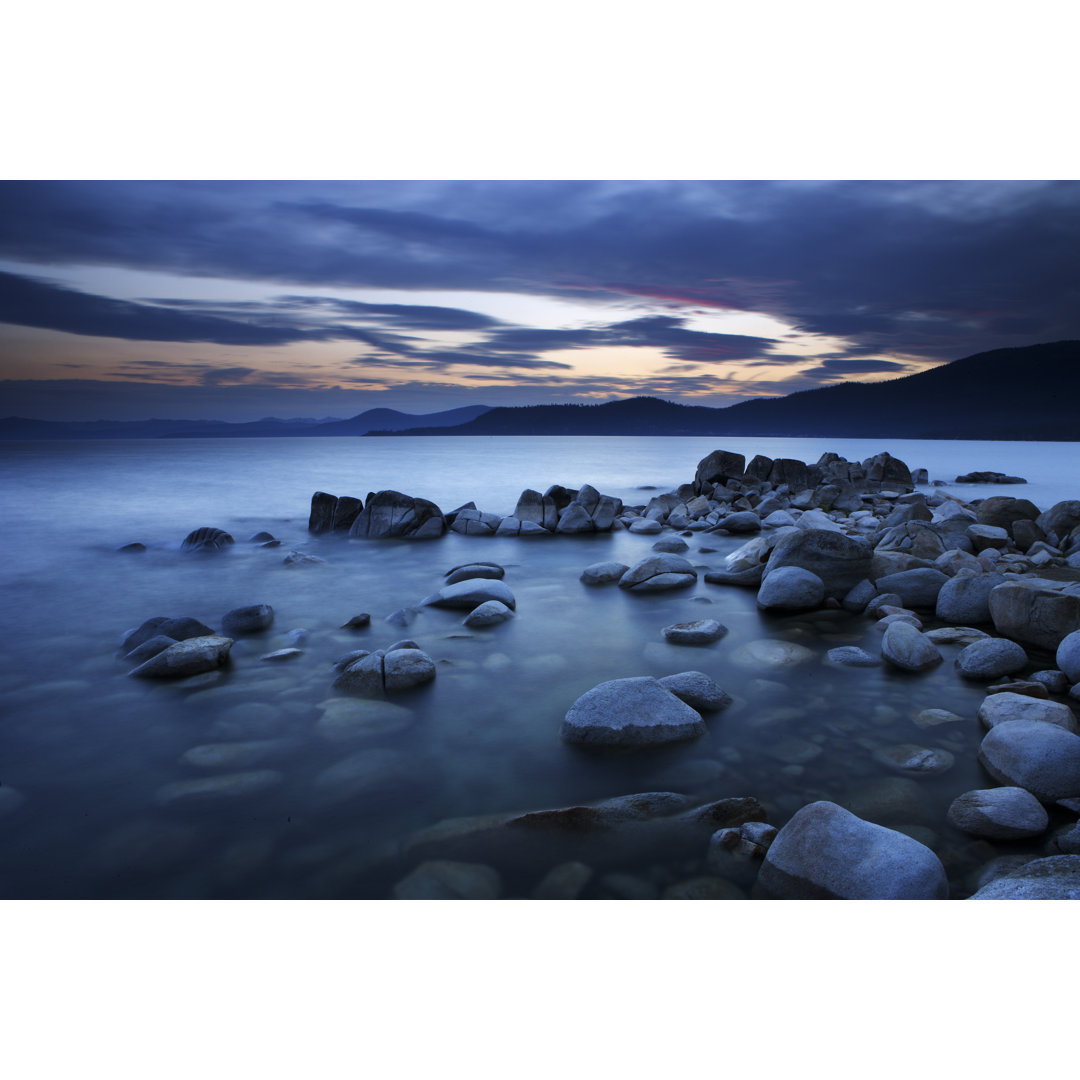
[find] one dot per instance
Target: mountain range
(1030, 392)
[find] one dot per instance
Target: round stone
(700, 632)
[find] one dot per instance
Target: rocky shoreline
(997, 579)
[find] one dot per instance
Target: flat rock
(1055, 878)
(699, 632)
(235, 755)
(955, 635)
(279, 655)
(470, 594)
(1042, 758)
(630, 712)
(490, 613)
(826, 853)
(904, 647)
(603, 573)
(928, 718)
(1003, 813)
(659, 572)
(991, 659)
(344, 720)
(190, 657)
(1004, 707)
(697, 689)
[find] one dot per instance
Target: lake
(85, 752)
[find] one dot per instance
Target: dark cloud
(858, 367)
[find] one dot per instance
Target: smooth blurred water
(88, 749)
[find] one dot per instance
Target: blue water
(88, 751)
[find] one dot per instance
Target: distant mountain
(19, 428)
(1021, 393)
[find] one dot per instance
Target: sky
(236, 300)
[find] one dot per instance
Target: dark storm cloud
(937, 270)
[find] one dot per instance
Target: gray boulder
(603, 573)
(492, 571)
(490, 613)
(405, 668)
(630, 712)
(790, 588)
(658, 572)
(1055, 878)
(827, 853)
(717, 468)
(538, 509)
(190, 657)
(700, 632)
(904, 647)
(1003, 511)
(248, 620)
(206, 541)
(161, 625)
(1067, 656)
(1036, 611)
(390, 514)
(1061, 518)
(1042, 758)
(1003, 813)
(156, 644)
(918, 588)
(840, 561)
(991, 658)
(964, 600)
(698, 690)
(470, 593)
(1004, 707)
(852, 656)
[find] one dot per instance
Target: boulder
(827, 853)
(189, 657)
(1042, 758)
(955, 635)
(659, 572)
(490, 613)
(1002, 708)
(852, 656)
(789, 471)
(321, 517)
(1003, 511)
(886, 471)
(538, 509)
(1061, 518)
(904, 647)
(918, 588)
(630, 712)
(1036, 611)
(983, 537)
(575, 519)
(1003, 813)
(742, 521)
(645, 526)
(390, 514)
(156, 644)
(790, 588)
(1055, 878)
(248, 620)
(206, 541)
(697, 689)
(1067, 656)
(840, 561)
(991, 658)
(405, 668)
(603, 573)
(717, 468)
(470, 593)
(965, 599)
(700, 632)
(918, 539)
(161, 625)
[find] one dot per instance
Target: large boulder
(1036, 611)
(391, 514)
(658, 572)
(789, 471)
(537, 508)
(1002, 511)
(190, 657)
(840, 561)
(1068, 656)
(206, 541)
(904, 647)
(1055, 878)
(603, 573)
(630, 712)
(162, 626)
(885, 471)
(964, 600)
(1041, 758)
(717, 468)
(921, 539)
(1007, 706)
(991, 658)
(916, 588)
(1061, 518)
(471, 593)
(790, 588)
(253, 619)
(329, 513)
(827, 853)
(1003, 813)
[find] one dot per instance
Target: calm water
(87, 750)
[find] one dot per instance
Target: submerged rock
(210, 789)
(248, 620)
(904, 647)
(492, 571)
(630, 712)
(697, 689)
(490, 613)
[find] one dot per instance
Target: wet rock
(297, 559)
(770, 654)
(1054, 878)
(852, 656)
(190, 657)
(1036, 611)
(987, 536)
(370, 772)
(492, 571)
(603, 573)
(1056, 682)
(1019, 686)
(391, 514)
(965, 598)
(991, 659)
(402, 617)
(915, 760)
(840, 561)
(363, 677)
(917, 588)
(752, 840)
(278, 655)
(717, 468)
(645, 526)
(858, 597)
(248, 620)
(1041, 757)
(699, 632)
(149, 648)
(235, 755)
(825, 852)
(630, 712)
(904, 647)
(563, 882)
(404, 669)
(1002, 708)
(697, 689)
(955, 635)
(471, 593)
(132, 549)
(213, 789)
(790, 588)
(490, 613)
(1004, 813)
(442, 879)
(358, 622)
(177, 629)
(206, 541)
(1060, 519)
(739, 523)
(928, 718)
(659, 572)
(674, 546)
(750, 577)
(1067, 656)
(988, 477)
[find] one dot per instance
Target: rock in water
(1039, 757)
(1055, 878)
(904, 647)
(391, 514)
(490, 613)
(699, 632)
(603, 573)
(657, 572)
(1004, 813)
(698, 690)
(991, 658)
(248, 620)
(190, 657)
(827, 853)
(470, 594)
(206, 540)
(630, 712)
(790, 588)
(840, 561)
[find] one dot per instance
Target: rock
(965, 598)
(345, 720)
(404, 669)
(373, 771)
(282, 654)
(954, 560)
(1060, 519)
(890, 798)
(857, 598)
(472, 522)
(1003, 511)
(888, 471)
(912, 760)
(825, 852)
(697, 689)
(177, 629)
(1004, 813)
(206, 541)
(603, 573)
(1002, 708)
(991, 658)
(402, 617)
(674, 546)
(699, 632)
(630, 712)
(988, 478)
(840, 561)
(752, 840)
(301, 558)
(898, 615)
(248, 620)
(1055, 878)
(918, 539)
(659, 572)
(717, 468)
(935, 718)
(904, 647)
(1067, 656)
(563, 882)
(490, 613)
(537, 509)
(1036, 611)
(955, 635)
(392, 514)
(790, 588)
(442, 879)
(1020, 686)
(1056, 682)
(225, 788)
(470, 593)
(235, 755)
(917, 588)
(1042, 758)
(358, 622)
(987, 536)
(748, 578)
(491, 571)
(770, 654)
(156, 644)
(189, 657)
(645, 526)
(134, 548)
(852, 656)
(743, 521)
